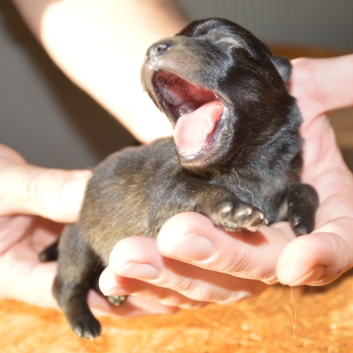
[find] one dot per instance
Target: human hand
(322, 85)
(35, 202)
(204, 263)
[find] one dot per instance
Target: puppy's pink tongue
(192, 129)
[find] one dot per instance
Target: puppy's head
(223, 91)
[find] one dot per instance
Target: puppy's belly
(118, 199)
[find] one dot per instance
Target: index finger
(192, 238)
(27, 189)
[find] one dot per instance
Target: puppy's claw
(243, 212)
(87, 329)
(117, 299)
(235, 216)
(252, 229)
(226, 208)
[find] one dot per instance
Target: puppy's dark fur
(246, 175)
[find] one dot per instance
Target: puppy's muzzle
(158, 49)
(155, 52)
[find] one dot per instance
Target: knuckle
(233, 298)
(193, 305)
(271, 280)
(168, 297)
(202, 293)
(194, 290)
(35, 186)
(185, 286)
(235, 264)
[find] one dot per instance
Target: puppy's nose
(158, 49)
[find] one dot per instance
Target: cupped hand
(322, 85)
(194, 262)
(35, 203)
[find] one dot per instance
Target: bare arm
(100, 45)
(328, 84)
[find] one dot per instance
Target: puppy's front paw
(303, 223)
(235, 216)
(303, 202)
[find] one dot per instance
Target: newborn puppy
(235, 157)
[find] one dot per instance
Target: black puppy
(236, 157)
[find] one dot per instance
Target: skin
(164, 274)
(273, 254)
(114, 36)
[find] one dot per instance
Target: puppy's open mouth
(195, 111)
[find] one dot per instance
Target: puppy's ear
(283, 67)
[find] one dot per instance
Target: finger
(50, 193)
(314, 259)
(321, 77)
(321, 257)
(132, 307)
(111, 284)
(193, 239)
(9, 154)
(139, 258)
(34, 288)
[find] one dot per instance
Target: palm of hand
(23, 277)
(322, 256)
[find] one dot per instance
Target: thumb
(315, 259)
(51, 193)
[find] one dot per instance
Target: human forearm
(328, 84)
(101, 44)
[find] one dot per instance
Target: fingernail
(314, 276)
(74, 188)
(191, 247)
(138, 271)
(119, 291)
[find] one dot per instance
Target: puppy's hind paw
(234, 216)
(86, 327)
(116, 300)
